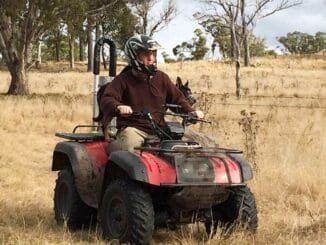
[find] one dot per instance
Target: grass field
(281, 128)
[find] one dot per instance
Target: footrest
(97, 136)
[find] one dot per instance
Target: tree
(56, 44)
(303, 43)
(249, 11)
(22, 22)
(183, 51)
(228, 13)
(149, 25)
(167, 58)
(119, 24)
(194, 50)
(261, 9)
(74, 17)
(93, 17)
(320, 41)
(82, 38)
(257, 45)
(199, 44)
(237, 16)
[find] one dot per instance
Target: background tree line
(303, 43)
(68, 29)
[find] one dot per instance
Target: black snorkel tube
(96, 69)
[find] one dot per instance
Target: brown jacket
(150, 93)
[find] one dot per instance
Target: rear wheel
(127, 213)
(238, 211)
(69, 209)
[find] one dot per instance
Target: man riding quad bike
(164, 182)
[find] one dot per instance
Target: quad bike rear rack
(95, 135)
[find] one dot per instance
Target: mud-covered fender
(244, 165)
(131, 164)
(120, 162)
(76, 155)
(144, 167)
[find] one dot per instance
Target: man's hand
(124, 109)
(198, 114)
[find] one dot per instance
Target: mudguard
(131, 164)
(144, 167)
(81, 158)
(244, 165)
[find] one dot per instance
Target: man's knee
(130, 138)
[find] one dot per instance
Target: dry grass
(289, 101)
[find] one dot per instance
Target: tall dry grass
(288, 99)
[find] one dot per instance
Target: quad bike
(164, 183)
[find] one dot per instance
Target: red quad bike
(164, 183)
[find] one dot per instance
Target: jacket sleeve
(111, 98)
(175, 96)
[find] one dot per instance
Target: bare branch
(98, 11)
(261, 10)
(151, 25)
(165, 18)
(285, 4)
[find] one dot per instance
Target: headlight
(188, 169)
(202, 168)
(194, 169)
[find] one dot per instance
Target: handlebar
(188, 117)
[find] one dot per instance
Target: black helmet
(137, 44)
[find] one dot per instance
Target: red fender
(159, 171)
(226, 171)
(97, 151)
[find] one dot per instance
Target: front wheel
(239, 210)
(127, 213)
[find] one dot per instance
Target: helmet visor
(153, 45)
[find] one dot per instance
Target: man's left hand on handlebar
(198, 114)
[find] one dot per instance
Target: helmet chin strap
(149, 69)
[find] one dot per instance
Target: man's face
(146, 57)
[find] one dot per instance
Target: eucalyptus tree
(237, 16)
(148, 22)
(22, 22)
(302, 43)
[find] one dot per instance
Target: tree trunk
(19, 79)
(97, 32)
(39, 55)
(246, 51)
(232, 54)
(90, 44)
(237, 77)
(16, 62)
(145, 24)
(71, 51)
(245, 35)
(81, 48)
(57, 45)
(236, 58)
(57, 50)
